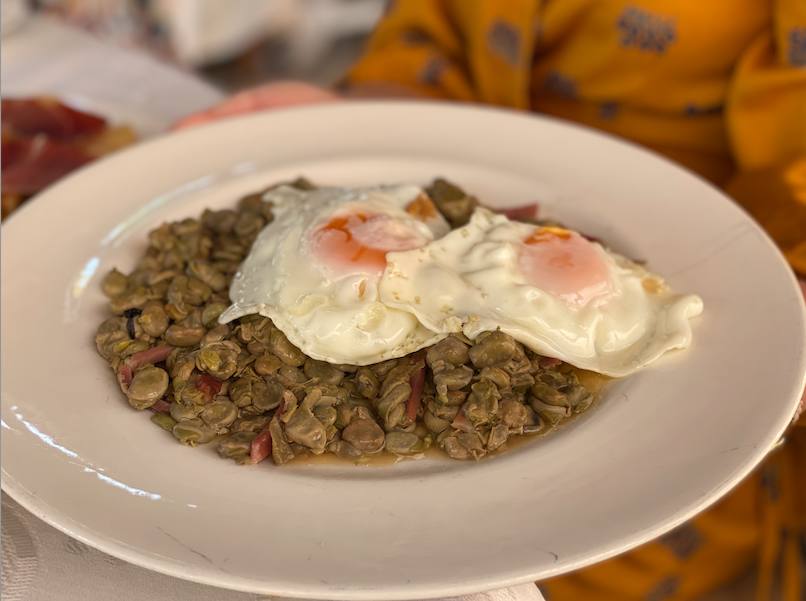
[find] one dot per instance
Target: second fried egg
(549, 288)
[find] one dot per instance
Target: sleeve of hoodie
(766, 120)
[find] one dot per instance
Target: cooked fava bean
(404, 443)
(166, 422)
(453, 202)
(184, 335)
(455, 378)
(153, 319)
(147, 387)
(236, 446)
(323, 372)
(219, 359)
(114, 284)
(284, 350)
(211, 312)
(281, 451)
(365, 435)
(219, 414)
(267, 396)
(344, 450)
(245, 385)
(498, 436)
(303, 428)
(267, 364)
(493, 349)
(206, 272)
(192, 432)
(367, 382)
(182, 412)
(131, 298)
(450, 351)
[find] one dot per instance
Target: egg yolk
(361, 240)
(565, 264)
(422, 208)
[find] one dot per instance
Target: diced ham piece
(417, 381)
(549, 362)
(208, 385)
(131, 364)
(460, 422)
(521, 213)
(149, 356)
(13, 150)
(286, 400)
(33, 116)
(125, 376)
(34, 163)
(161, 406)
(261, 446)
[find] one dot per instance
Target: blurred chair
(238, 42)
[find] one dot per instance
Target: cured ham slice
(44, 140)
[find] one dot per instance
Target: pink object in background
(270, 96)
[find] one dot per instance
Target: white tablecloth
(42, 564)
(42, 56)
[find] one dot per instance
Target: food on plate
(314, 270)
(548, 287)
(44, 139)
(389, 319)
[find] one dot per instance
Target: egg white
(468, 281)
(331, 314)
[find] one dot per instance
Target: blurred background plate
(42, 56)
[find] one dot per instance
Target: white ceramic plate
(662, 446)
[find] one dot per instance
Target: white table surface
(43, 56)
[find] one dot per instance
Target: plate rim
(59, 520)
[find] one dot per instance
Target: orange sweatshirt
(717, 85)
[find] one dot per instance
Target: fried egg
(314, 270)
(549, 288)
